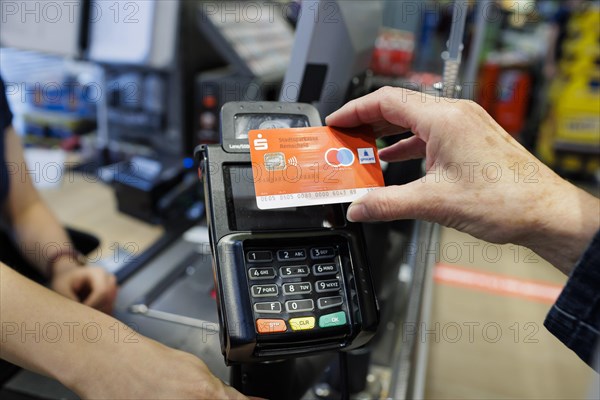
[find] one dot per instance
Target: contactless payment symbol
(293, 161)
(341, 157)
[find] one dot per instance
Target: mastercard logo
(342, 157)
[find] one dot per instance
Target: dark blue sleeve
(5, 114)
(561, 17)
(5, 122)
(575, 317)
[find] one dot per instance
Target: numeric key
(297, 288)
(264, 290)
(299, 305)
(294, 271)
(317, 253)
(325, 269)
(259, 256)
(261, 273)
(291, 255)
(328, 286)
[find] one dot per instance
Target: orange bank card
(310, 166)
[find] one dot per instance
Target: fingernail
(356, 212)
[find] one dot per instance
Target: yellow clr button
(302, 323)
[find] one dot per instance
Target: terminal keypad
(295, 289)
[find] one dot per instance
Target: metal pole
(472, 67)
(452, 63)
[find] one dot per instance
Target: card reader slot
(304, 344)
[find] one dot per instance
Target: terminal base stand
(269, 380)
(283, 379)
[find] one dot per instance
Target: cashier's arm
(38, 231)
(90, 352)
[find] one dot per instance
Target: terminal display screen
(243, 123)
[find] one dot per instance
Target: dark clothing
(561, 19)
(575, 317)
(5, 122)
(11, 256)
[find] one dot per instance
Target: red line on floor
(494, 283)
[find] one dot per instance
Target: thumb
(414, 200)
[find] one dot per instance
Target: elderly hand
(479, 179)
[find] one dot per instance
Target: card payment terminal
(291, 281)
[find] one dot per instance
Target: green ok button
(335, 319)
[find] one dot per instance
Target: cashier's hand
(90, 285)
(145, 369)
(479, 179)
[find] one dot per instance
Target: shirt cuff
(575, 317)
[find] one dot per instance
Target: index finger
(397, 106)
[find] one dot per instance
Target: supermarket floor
(486, 335)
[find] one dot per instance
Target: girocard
(297, 167)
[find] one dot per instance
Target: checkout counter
(167, 294)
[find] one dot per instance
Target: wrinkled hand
(479, 179)
(92, 286)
